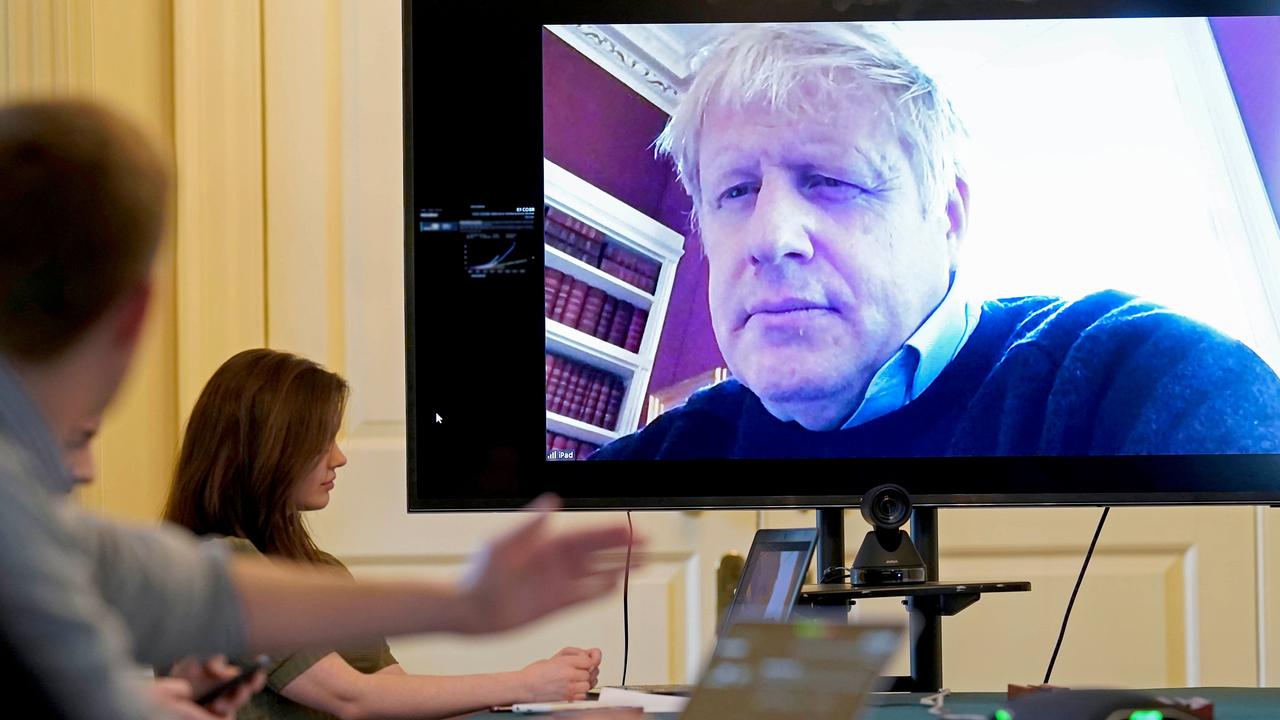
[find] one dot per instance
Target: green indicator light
(1146, 715)
(809, 629)
(1004, 715)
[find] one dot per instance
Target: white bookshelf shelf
(576, 428)
(597, 278)
(632, 230)
(577, 345)
(621, 222)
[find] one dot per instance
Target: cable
(626, 611)
(937, 707)
(1071, 603)
(834, 574)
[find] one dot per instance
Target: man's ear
(131, 314)
(957, 219)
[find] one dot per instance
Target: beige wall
(190, 73)
(120, 51)
(283, 117)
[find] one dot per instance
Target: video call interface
(910, 239)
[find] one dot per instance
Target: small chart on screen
(492, 238)
(486, 255)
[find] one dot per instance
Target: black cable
(1062, 633)
(626, 612)
(834, 574)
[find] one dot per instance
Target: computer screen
(789, 672)
(997, 253)
(772, 575)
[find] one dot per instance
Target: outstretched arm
(288, 605)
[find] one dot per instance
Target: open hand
(532, 571)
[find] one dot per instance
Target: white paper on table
(651, 702)
(539, 708)
(611, 697)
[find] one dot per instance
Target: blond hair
(797, 66)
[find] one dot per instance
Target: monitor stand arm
(925, 614)
(926, 623)
(927, 602)
(830, 550)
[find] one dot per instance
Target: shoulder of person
(1057, 324)
(238, 545)
(21, 471)
(242, 546)
(724, 400)
(728, 393)
(1117, 318)
(1116, 327)
(331, 560)
(685, 431)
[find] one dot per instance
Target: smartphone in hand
(247, 669)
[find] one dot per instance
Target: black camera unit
(887, 555)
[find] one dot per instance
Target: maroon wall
(600, 130)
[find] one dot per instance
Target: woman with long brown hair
(260, 449)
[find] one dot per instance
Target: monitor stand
(927, 603)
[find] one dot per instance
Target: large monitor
(995, 252)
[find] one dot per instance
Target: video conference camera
(887, 555)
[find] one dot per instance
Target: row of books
(570, 301)
(563, 447)
(573, 237)
(630, 268)
(588, 244)
(582, 392)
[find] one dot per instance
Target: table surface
(1228, 704)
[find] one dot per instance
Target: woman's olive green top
(285, 668)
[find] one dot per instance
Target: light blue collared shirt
(83, 597)
(921, 359)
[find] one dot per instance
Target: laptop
(792, 671)
(768, 589)
(775, 671)
(772, 576)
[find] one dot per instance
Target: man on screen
(822, 165)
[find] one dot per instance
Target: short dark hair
(83, 199)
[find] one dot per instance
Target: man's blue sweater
(1104, 375)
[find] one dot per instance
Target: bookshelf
(572, 266)
(609, 270)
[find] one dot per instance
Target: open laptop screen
(772, 575)
(789, 672)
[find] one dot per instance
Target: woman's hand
(567, 675)
(594, 655)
